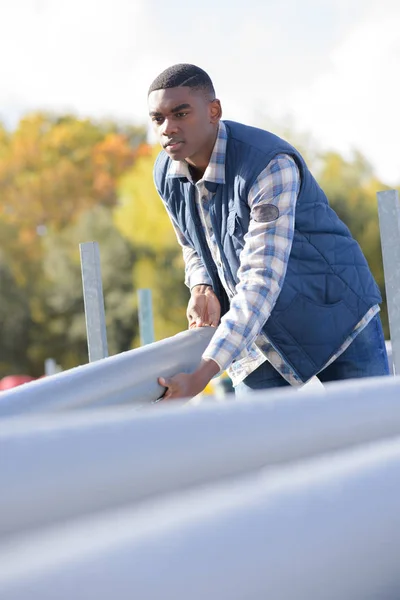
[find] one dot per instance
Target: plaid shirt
(238, 344)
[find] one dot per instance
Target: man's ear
(215, 110)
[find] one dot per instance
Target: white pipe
(59, 467)
(129, 377)
(327, 529)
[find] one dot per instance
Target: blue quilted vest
(328, 286)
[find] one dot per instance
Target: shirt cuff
(199, 277)
(207, 356)
(222, 356)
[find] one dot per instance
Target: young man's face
(184, 121)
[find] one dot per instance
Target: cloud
(331, 65)
(355, 103)
(88, 56)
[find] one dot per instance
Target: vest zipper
(229, 277)
(206, 253)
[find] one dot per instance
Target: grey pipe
(129, 377)
(63, 466)
(326, 529)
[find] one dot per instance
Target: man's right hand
(203, 308)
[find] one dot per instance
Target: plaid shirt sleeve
(263, 260)
(195, 271)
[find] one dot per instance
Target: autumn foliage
(51, 170)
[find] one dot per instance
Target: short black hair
(183, 75)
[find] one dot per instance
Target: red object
(12, 381)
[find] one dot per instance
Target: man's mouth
(173, 145)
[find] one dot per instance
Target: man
(261, 247)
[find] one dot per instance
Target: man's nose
(169, 127)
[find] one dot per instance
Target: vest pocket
(234, 229)
(231, 223)
(317, 329)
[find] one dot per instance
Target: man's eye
(181, 114)
(157, 120)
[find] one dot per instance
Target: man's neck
(198, 164)
(196, 172)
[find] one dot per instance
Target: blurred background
(76, 153)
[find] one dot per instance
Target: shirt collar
(215, 171)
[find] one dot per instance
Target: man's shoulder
(259, 139)
(160, 170)
(162, 162)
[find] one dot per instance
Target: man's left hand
(181, 386)
(187, 386)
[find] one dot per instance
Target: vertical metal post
(389, 222)
(146, 327)
(94, 301)
(51, 367)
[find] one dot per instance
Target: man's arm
(195, 271)
(203, 307)
(263, 263)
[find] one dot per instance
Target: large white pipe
(326, 529)
(129, 377)
(58, 467)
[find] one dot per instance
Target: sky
(329, 68)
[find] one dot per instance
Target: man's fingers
(198, 324)
(213, 317)
(172, 387)
(166, 383)
(214, 320)
(198, 321)
(203, 311)
(193, 323)
(197, 313)
(194, 313)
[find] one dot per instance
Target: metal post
(146, 327)
(389, 222)
(94, 301)
(51, 367)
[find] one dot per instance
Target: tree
(54, 168)
(58, 182)
(15, 321)
(60, 326)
